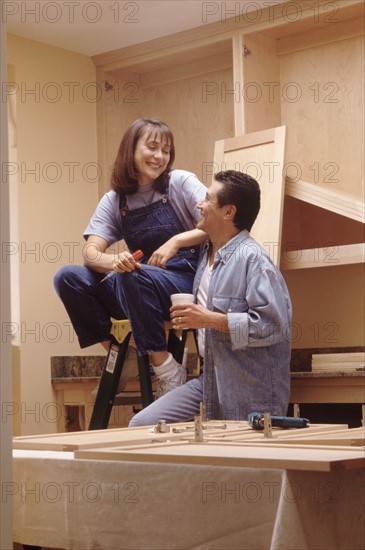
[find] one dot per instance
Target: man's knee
(138, 419)
(134, 423)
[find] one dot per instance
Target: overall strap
(123, 204)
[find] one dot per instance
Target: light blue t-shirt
(185, 192)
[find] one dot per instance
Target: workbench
(78, 495)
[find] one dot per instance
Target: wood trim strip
(238, 77)
(339, 203)
(320, 37)
(270, 18)
(324, 257)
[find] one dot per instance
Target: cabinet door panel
(261, 155)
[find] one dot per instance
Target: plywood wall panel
(262, 82)
(322, 104)
(328, 306)
(199, 111)
(119, 106)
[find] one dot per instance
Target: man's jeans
(179, 405)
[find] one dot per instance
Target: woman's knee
(67, 276)
(61, 277)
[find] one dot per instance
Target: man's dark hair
(243, 192)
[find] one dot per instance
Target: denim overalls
(142, 296)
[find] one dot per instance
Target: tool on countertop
(256, 421)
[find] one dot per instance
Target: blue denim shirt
(247, 369)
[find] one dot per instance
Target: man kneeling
(242, 315)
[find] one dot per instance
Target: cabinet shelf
(330, 256)
(333, 254)
(339, 203)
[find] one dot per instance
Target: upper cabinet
(298, 65)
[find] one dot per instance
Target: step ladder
(120, 336)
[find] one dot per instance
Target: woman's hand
(172, 246)
(125, 263)
(164, 253)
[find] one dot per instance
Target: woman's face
(151, 157)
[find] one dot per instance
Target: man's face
(211, 212)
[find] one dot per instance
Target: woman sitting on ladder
(153, 208)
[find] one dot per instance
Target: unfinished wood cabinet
(299, 65)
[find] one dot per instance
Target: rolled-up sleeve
(268, 316)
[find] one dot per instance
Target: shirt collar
(225, 252)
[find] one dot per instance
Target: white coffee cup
(182, 299)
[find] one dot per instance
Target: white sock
(165, 366)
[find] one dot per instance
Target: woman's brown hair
(125, 175)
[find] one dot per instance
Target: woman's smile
(151, 158)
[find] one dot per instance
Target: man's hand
(185, 316)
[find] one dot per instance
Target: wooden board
(338, 361)
(338, 202)
(329, 256)
(354, 437)
(328, 387)
(71, 441)
(261, 155)
(278, 433)
(260, 455)
(338, 357)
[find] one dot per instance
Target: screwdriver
(137, 255)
